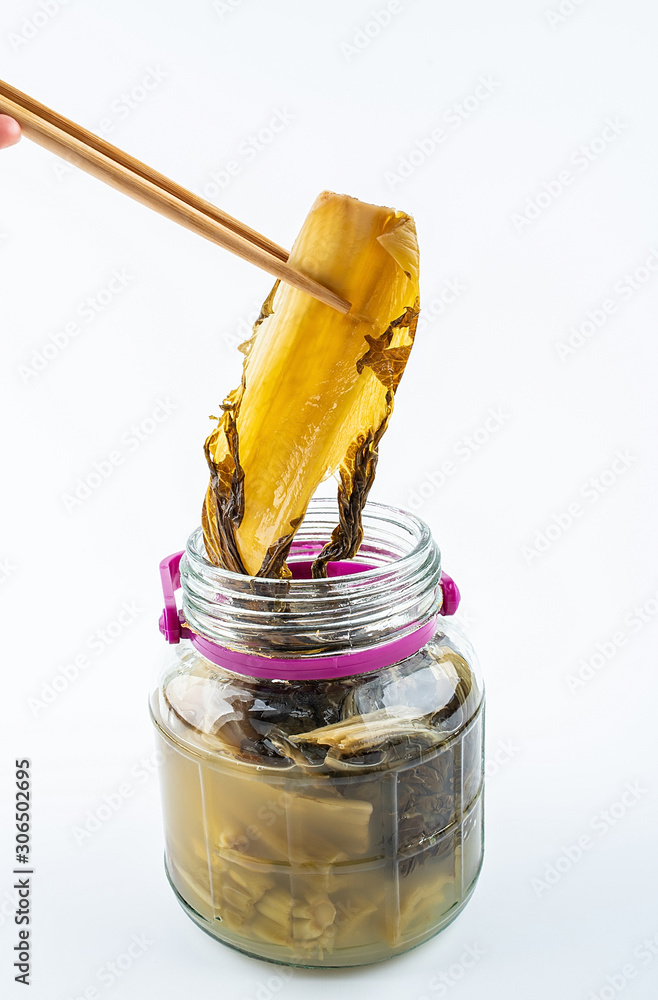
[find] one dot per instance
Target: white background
(559, 753)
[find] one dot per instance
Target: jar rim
(371, 510)
(332, 616)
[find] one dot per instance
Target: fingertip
(10, 131)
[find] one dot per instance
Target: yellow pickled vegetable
(317, 389)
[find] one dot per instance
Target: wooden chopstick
(85, 150)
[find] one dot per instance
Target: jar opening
(389, 590)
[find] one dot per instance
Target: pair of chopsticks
(84, 149)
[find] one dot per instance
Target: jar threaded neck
(395, 593)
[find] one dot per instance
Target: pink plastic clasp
(172, 623)
(451, 595)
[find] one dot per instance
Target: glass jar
(322, 747)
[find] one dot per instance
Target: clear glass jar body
(329, 821)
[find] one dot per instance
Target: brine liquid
(324, 870)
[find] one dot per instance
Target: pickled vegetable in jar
(322, 745)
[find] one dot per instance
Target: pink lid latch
(172, 623)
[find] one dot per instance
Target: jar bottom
(212, 928)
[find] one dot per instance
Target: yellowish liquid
(301, 866)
